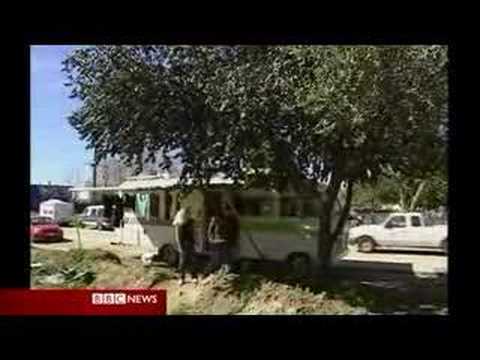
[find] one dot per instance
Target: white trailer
(59, 211)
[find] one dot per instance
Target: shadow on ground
(380, 292)
(60, 241)
(378, 287)
(410, 252)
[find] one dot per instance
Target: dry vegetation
(247, 293)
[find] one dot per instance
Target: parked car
(93, 217)
(400, 230)
(43, 228)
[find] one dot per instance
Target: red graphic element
(83, 302)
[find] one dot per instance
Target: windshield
(93, 212)
(41, 221)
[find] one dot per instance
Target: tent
(58, 210)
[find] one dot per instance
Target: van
(93, 217)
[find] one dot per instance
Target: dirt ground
(418, 262)
(93, 239)
(261, 290)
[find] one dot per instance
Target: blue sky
(56, 154)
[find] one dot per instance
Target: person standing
(222, 236)
(184, 231)
(217, 240)
(232, 223)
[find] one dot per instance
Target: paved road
(416, 262)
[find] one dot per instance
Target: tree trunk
(325, 240)
(325, 245)
(402, 198)
(326, 235)
(415, 198)
(345, 211)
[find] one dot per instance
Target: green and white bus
(273, 226)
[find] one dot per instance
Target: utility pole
(94, 168)
(93, 164)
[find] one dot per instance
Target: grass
(73, 269)
(183, 308)
(81, 268)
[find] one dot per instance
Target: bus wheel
(244, 265)
(169, 255)
(366, 244)
(299, 265)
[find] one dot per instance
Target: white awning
(157, 182)
(96, 189)
(139, 183)
(148, 183)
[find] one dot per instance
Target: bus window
(154, 204)
(168, 205)
(239, 205)
(254, 207)
(309, 208)
(266, 208)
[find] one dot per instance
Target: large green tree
(425, 193)
(371, 109)
(332, 114)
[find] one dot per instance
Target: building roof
(54, 201)
(51, 185)
(148, 182)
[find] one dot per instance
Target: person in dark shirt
(223, 233)
(184, 226)
(233, 231)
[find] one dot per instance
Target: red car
(44, 229)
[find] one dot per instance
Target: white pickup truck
(400, 230)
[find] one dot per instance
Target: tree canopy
(296, 113)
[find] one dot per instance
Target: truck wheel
(299, 265)
(170, 255)
(445, 246)
(366, 244)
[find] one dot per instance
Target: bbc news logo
(122, 299)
